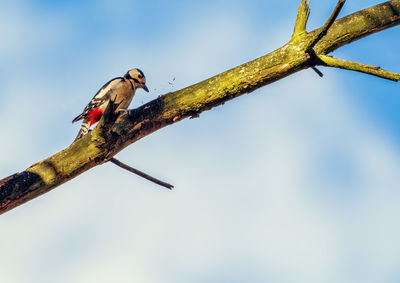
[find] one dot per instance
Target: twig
(317, 71)
(141, 174)
(359, 67)
(328, 24)
(302, 18)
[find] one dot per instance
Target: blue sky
(296, 182)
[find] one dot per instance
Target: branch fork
(329, 61)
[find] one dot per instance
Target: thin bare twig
(319, 73)
(328, 24)
(141, 174)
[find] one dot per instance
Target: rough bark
(115, 133)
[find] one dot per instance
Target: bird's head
(137, 77)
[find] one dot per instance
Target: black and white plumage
(120, 90)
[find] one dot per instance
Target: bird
(120, 90)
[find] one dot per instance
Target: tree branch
(106, 140)
(141, 174)
(302, 18)
(324, 30)
(108, 119)
(319, 73)
(359, 67)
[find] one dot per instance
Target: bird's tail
(84, 129)
(77, 118)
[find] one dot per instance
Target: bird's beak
(145, 87)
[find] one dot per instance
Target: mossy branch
(302, 19)
(107, 139)
(359, 67)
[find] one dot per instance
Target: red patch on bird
(95, 115)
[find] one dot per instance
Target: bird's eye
(140, 76)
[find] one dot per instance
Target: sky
(295, 182)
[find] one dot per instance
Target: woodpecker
(120, 90)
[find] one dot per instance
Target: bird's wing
(99, 98)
